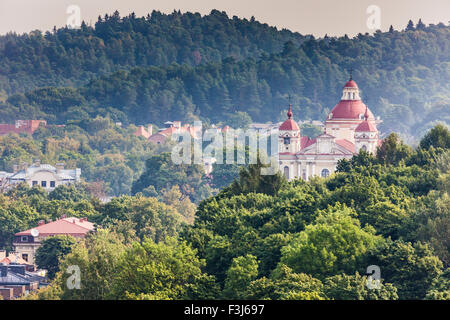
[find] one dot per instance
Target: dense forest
(262, 237)
(115, 70)
(71, 56)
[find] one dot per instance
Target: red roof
(289, 125)
(69, 226)
(13, 258)
(306, 142)
(351, 84)
(21, 126)
(366, 126)
(346, 144)
(350, 109)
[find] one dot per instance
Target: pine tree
(410, 26)
(420, 25)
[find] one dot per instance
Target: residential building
(44, 175)
(27, 242)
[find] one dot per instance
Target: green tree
(51, 251)
(156, 271)
(438, 137)
(354, 287)
(410, 268)
(242, 271)
(392, 150)
(335, 243)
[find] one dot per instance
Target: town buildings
(16, 281)
(349, 128)
(22, 126)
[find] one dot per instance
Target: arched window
(325, 173)
(286, 172)
(364, 148)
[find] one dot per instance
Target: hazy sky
(334, 17)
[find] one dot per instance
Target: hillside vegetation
(184, 66)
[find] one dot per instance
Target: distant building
(349, 128)
(22, 126)
(44, 175)
(16, 281)
(142, 132)
(173, 128)
(26, 243)
(14, 258)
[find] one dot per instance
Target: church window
(325, 173)
(287, 140)
(364, 148)
(286, 172)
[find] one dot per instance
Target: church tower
(289, 135)
(348, 113)
(366, 136)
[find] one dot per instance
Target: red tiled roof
(70, 226)
(366, 126)
(346, 144)
(21, 126)
(142, 132)
(289, 125)
(13, 258)
(306, 142)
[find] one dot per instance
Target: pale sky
(318, 17)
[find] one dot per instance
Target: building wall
(46, 176)
(27, 248)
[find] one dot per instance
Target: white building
(349, 128)
(44, 175)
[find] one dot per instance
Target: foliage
(51, 251)
(335, 243)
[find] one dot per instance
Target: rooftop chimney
(41, 222)
(150, 129)
(37, 162)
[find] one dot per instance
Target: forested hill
(404, 75)
(71, 56)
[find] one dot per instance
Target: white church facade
(349, 128)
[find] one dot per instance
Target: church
(349, 128)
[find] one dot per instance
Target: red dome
(350, 109)
(351, 84)
(289, 125)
